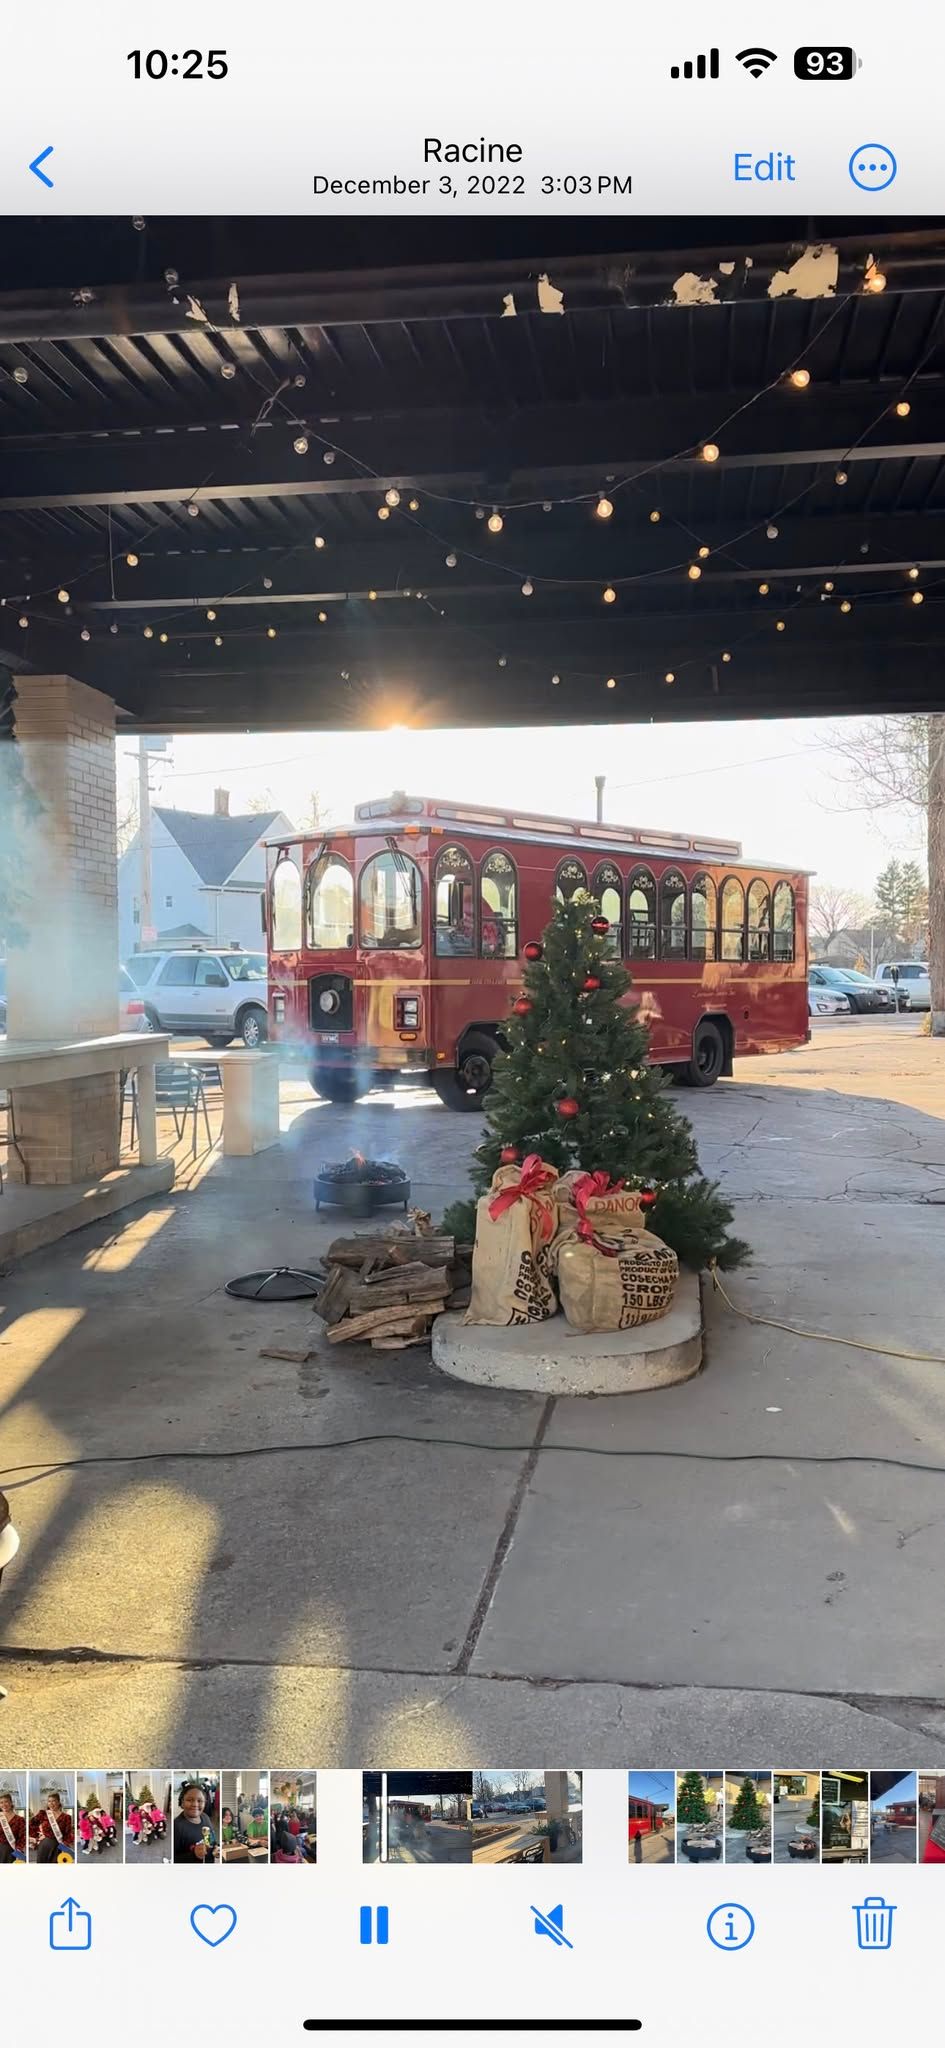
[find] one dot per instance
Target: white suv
(197, 994)
(914, 977)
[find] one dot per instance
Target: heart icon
(213, 1923)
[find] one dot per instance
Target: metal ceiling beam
(910, 262)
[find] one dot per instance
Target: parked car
(826, 1002)
(863, 995)
(913, 977)
(131, 1011)
(198, 994)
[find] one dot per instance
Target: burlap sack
(594, 1198)
(617, 1281)
(513, 1259)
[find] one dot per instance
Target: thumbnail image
(527, 1816)
(795, 1831)
(51, 1800)
(417, 1817)
(748, 1816)
(99, 1808)
(844, 1817)
(893, 1816)
(196, 1816)
(13, 1817)
(651, 1816)
(293, 1810)
(244, 1816)
(148, 1818)
(700, 1815)
(932, 1816)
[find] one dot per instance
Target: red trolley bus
(395, 943)
(645, 1817)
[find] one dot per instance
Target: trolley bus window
(733, 920)
(571, 877)
(702, 918)
(286, 907)
(390, 902)
(673, 907)
(498, 892)
(330, 905)
(759, 922)
(783, 932)
(455, 903)
(641, 915)
(607, 889)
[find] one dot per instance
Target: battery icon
(820, 60)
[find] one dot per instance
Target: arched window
(607, 886)
(673, 907)
(703, 912)
(498, 908)
(759, 921)
(330, 905)
(641, 915)
(733, 920)
(783, 922)
(454, 927)
(391, 895)
(571, 876)
(286, 907)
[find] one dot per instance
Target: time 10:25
(178, 64)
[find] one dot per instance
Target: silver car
(199, 994)
(911, 976)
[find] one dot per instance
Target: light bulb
(903, 409)
(670, 676)
(322, 616)
(211, 616)
(23, 621)
(496, 521)
(780, 626)
(503, 663)
(451, 561)
(383, 512)
(328, 457)
(771, 532)
(480, 512)
(556, 679)
(611, 682)
(846, 606)
(163, 639)
(270, 632)
(20, 375)
(392, 497)
(149, 632)
(800, 379)
(414, 504)
(655, 518)
(918, 597)
(372, 595)
(704, 554)
(300, 444)
(694, 572)
(267, 582)
(113, 628)
(218, 640)
(710, 452)
(228, 370)
(828, 586)
(132, 561)
(63, 596)
(319, 540)
(193, 511)
(547, 505)
(913, 575)
(841, 477)
(610, 595)
(604, 508)
(875, 280)
(528, 587)
(726, 656)
(85, 634)
(763, 589)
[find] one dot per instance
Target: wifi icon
(757, 61)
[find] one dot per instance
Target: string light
(132, 561)
(800, 379)
(63, 596)
(300, 444)
(875, 280)
(655, 518)
(528, 587)
(20, 375)
(211, 616)
(903, 409)
(193, 510)
(670, 676)
(270, 632)
(267, 582)
(228, 370)
(604, 507)
(496, 521)
(846, 606)
(547, 507)
(726, 656)
(149, 632)
(828, 586)
(918, 597)
(610, 595)
(319, 540)
(383, 512)
(113, 628)
(218, 640)
(85, 634)
(372, 595)
(780, 626)
(392, 497)
(913, 575)
(694, 572)
(163, 639)
(451, 561)
(611, 682)
(556, 679)
(709, 452)
(23, 621)
(771, 532)
(328, 457)
(414, 504)
(480, 512)
(841, 477)
(503, 663)
(704, 554)
(763, 589)
(322, 617)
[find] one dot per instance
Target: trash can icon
(874, 1924)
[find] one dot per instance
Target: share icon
(552, 1924)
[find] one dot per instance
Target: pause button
(375, 1926)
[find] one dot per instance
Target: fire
(359, 1158)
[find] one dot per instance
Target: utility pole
(599, 781)
(145, 923)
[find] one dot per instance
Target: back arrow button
(40, 159)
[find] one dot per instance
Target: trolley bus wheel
(708, 1056)
(467, 1087)
(340, 1087)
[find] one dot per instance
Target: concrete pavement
(732, 1581)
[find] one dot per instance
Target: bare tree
(126, 823)
(834, 909)
(898, 764)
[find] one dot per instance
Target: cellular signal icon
(699, 67)
(757, 61)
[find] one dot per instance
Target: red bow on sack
(534, 1177)
(584, 1191)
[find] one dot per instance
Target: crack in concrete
(504, 1544)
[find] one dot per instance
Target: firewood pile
(384, 1288)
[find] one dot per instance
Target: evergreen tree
(692, 1807)
(576, 1087)
(746, 1812)
(889, 894)
(813, 1818)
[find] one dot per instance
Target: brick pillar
(62, 982)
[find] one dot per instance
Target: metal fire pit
(359, 1187)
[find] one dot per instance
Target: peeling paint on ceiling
(692, 290)
(550, 300)
(813, 275)
(509, 308)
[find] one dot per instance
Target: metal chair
(179, 1088)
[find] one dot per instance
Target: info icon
(730, 1926)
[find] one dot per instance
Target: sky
(776, 785)
(657, 1785)
(904, 1789)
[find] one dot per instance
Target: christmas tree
(576, 1087)
(746, 1812)
(813, 1818)
(691, 1805)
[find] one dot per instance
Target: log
(426, 1283)
(291, 1357)
(332, 1302)
(383, 1322)
(402, 1250)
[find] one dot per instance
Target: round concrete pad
(551, 1358)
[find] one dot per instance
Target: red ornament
(522, 1007)
(508, 1156)
(592, 981)
(600, 926)
(647, 1198)
(533, 950)
(568, 1107)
